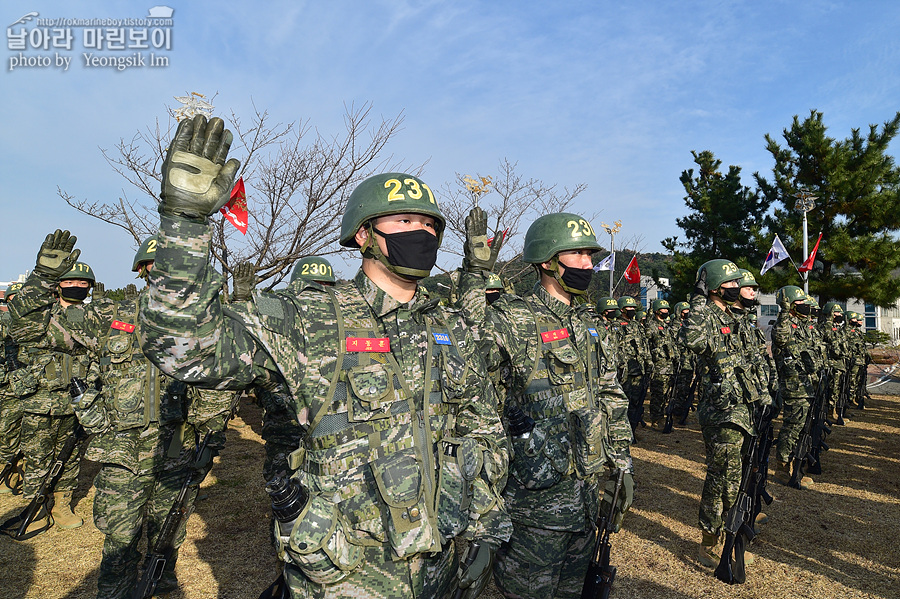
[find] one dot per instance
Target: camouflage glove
(626, 498)
(99, 292)
(479, 256)
(196, 180)
(57, 255)
(476, 572)
(131, 291)
(244, 282)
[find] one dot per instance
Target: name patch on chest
(122, 326)
(442, 338)
(366, 344)
(550, 336)
(725, 330)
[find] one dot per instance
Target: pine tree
(857, 185)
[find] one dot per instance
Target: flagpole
(805, 202)
(612, 252)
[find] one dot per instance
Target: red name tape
(726, 330)
(556, 335)
(379, 344)
(122, 326)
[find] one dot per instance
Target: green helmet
(145, 253)
(747, 278)
(607, 303)
(626, 301)
(12, 289)
(832, 307)
(80, 271)
(661, 304)
(790, 294)
(752, 317)
(390, 193)
(555, 233)
(494, 282)
(718, 271)
(315, 269)
(681, 307)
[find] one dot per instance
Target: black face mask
(663, 314)
(685, 315)
(491, 296)
(577, 278)
(748, 303)
(74, 294)
(838, 319)
(629, 313)
(731, 294)
(803, 309)
(411, 253)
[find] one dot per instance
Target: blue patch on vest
(592, 331)
(442, 338)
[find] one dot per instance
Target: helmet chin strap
(554, 272)
(371, 249)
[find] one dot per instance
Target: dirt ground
(836, 540)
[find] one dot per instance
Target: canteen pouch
(586, 432)
(318, 544)
(371, 393)
(399, 480)
(461, 461)
(539, 459)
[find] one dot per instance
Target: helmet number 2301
(580, 228)
(413, 189)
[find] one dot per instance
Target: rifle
(277, 590)
(180, 511)
(803, 457)
(600, 575)
(844, 397)
(861, 391)
(42, 502)
(470, 559)
(636, 410)
(670, 400)
(738, 522)
(6, 475)
(820, 428)
(766, 435)
(690, 397)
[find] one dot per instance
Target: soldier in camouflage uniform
(792, 348)
(684, 395)
(609, 318)
(138, 419)
(562, 377)
(48, 418)
(663, 350)
(728, 397)
(834, 335)
(635, 362)
(402, 449)
(10, 406)
(859, 355)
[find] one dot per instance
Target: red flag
(502, 237)
(632, 272)
(236, 208)
(807, 266)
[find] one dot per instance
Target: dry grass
(834, 541)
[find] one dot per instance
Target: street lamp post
(806, 201)
(612, 230)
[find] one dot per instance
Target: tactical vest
(135, 392)
(376, 451)
(571, 428)
(52, 371)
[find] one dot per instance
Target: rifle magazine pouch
(562, 363)
(586, 432)
(372, 393)
(22, 382)
(461, 461)
(91, 412)
(318, 544)
(539, 460)
(399, 480)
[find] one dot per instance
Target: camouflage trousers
(857, 373)
(683, 397)
(124, 503)
(543, 563)
(43, 436)
(631, 385)
(834, 390)
(378, 576)
(793, 415)
(10, 426)
(724, 446)
(659, 389)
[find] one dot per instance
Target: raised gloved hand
(479, 256)
(131, 291)
(700, 287)
(476, 572)
(244, 282)
(626, 498)
(99, 292)
(57, 255)
(196, 180)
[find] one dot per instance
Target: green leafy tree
(726, 219)
(857, 208)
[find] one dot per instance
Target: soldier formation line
(396, 423)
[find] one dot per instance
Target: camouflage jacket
(393, 399)
(138, 415)
(856, 344)
(728, 387)
(755, 351)
(662, 345)
(792, 347)
(634, 354)
(837, 344)
(562, 373)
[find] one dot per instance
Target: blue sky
(614, 95)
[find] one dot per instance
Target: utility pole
(806, 201)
